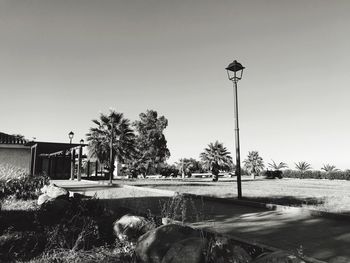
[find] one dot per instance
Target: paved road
(318, 237)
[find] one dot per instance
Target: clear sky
(64, 61)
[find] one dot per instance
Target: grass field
(325, 195)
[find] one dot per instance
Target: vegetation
(215, 158)
(329, 168)
(112, 126)
(63, 230)
(302, 166)
(333, 175)
(151, 142)
(253, 164)
(188, 166)
(273, 165)
(24, 187)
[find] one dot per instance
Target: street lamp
(70, 135)
(234, 73)
(82, 141)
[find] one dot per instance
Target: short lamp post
(235, 72)
(81, 141)
(70, 135)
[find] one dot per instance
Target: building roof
(11, 139)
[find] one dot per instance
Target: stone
(222, 250)
(54, 191)
(278, 257)
(190, 250)
(130, 227)
(43, 190)
(43, 198)
(153, 245)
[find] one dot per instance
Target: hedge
(337, 175)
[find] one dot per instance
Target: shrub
(8, 171)
(336, 175)
(272, 174)
(25, 187)
(169, 170)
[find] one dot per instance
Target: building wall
(14, 159)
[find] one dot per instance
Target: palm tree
(254, 163)
(276, 166)
(329, 168)
(303, 166)
(99, 139)
(215, 158)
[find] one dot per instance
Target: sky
(63, 62)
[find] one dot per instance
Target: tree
(254, 163)
(99, 139)
(276, 166)
(189, 166)
(215, 158)
(302, 166)
(329, 168)
(151, 142)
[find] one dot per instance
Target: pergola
(57, 160)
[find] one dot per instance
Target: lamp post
(82, 141)
(234, 73)
(70, 135)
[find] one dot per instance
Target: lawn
(325, 195)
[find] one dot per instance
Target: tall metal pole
(238, 158)
(111, 156)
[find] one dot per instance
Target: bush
(272, 174)
(169, 170)
(336, 175)
(8, 171)
(25, 187)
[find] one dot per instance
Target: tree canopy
(151, 141)
(99, 138)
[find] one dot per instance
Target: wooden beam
(88, 168)
(72, 164)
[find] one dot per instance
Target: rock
(54, 191)
(43, 198)
(43, 190)
(130, 227)
(153, 245)
(221, 250)
(190, 250)
(240, 255)
(278, 257)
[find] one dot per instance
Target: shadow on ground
(321, 238)
(286, 200)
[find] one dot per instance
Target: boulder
(54, 191)
(43, 198)
(190, 250)
(130, 227)
(153, 245)
(278, 257)
(222, 250)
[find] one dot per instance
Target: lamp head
(235, 71)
